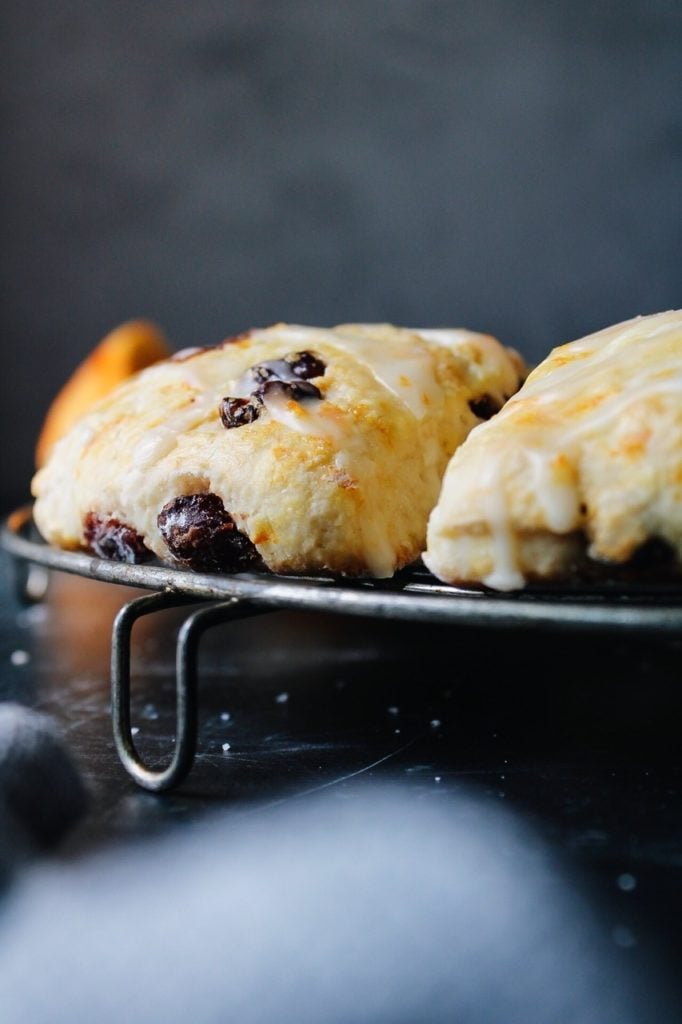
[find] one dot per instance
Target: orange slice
(130, 347)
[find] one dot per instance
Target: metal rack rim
(417, 600)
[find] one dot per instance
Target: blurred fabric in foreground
(374, 910)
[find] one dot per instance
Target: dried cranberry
(295, 366)
(237, 412)
(306, 364)
(286, 377)
(298, 390)
(110, 538)
(484, 406)
(202, 535)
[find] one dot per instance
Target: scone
(293, 448)
(579, 474)
(130, 347)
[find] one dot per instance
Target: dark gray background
(513, 167)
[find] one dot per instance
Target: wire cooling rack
(411, 595)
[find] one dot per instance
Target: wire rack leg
(189, 636)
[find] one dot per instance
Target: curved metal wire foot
(189, 636)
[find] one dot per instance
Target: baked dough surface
(334, 470)
(581, 469)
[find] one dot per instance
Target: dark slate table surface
(577, 736)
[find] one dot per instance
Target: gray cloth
(365, 909)
(42, 793)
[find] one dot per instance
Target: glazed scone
(579, 474)
(293, 447)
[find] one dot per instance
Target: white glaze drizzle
(457, 337)
(503, 365)
(313, 416)
(159, 441)
(185, 353)
(505, 574)
(405, 369)
(558, 496)
(408, 371)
